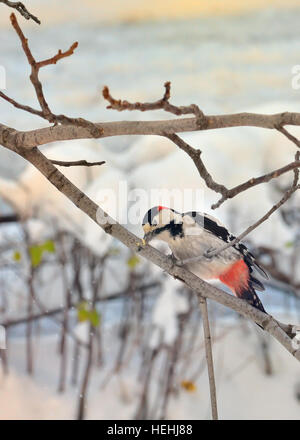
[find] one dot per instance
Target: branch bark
(34, 138)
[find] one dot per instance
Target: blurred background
(92, 330)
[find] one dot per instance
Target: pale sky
(57, 11)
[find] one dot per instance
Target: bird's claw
(140, 245)
(173, 260)
(207, 253)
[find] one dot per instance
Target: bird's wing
(215, 227)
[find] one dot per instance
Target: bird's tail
(248, 293)
(239, 280)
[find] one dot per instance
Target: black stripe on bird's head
(160, 219)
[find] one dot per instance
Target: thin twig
(209, 358)
(160, 104)
(45, 112)
(78, 163)
(20, 7)
(289, 136)
(195, 155)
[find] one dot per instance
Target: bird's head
(161, 223)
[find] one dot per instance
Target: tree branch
(20, 7)
(289, 136)
(77, 163)
(209, 358)
(161, 104)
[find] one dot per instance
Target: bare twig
(45, 112)
(160, 104)
(78, 163)
(256, 181)
(195, 155)
(20, 7)
(58, 56)
(209, 358)
(289, 135)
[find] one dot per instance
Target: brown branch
(229, 194)
(289, 136)
(251, 228)
(195, 155)
(32, 138)
(160, 104)
(46, 113)
(77, 163)
(20, 7)
(209, 358)
(16, 104)
(58, 56)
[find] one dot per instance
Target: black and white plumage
(193, 234)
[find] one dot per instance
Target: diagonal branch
(60, 55)
(195, 155)
(209, 358)
(32, 138)
(256, 181)
(289, 135)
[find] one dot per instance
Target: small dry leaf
(189, 386)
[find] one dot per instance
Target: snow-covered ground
(244, 390)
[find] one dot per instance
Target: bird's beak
(148, 230)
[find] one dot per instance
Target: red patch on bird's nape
(236, 277)
(161, 207)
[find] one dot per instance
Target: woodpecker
(193, 234)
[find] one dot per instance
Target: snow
(165, 313)
(244, 391)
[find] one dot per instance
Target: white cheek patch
(193, 230)
(188, 221)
